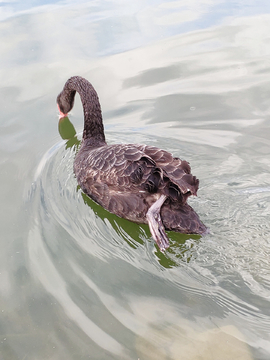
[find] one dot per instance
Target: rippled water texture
(77, 282)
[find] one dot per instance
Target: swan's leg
(155, 224)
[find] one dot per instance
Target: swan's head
(65, 102)
(61, 114)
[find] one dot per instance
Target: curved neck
(93, 126)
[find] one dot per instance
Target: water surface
(77, 282)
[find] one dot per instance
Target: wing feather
(130, 167)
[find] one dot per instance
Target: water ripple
(87, 258)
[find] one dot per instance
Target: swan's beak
(61, 115)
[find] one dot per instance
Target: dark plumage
(141, 183)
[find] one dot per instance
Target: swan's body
(141, 183)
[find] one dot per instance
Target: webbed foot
(156, 225)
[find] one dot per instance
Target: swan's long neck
(93, 133)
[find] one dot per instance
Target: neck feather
(93, 125)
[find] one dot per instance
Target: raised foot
(155, 224)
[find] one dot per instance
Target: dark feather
(128, 179)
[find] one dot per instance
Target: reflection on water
(68, 132)
(79, 282)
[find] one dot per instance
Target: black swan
(140, 183)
